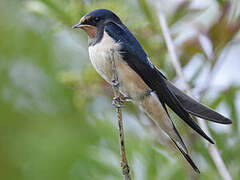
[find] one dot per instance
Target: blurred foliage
(57, 121)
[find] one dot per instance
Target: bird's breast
(131, 84)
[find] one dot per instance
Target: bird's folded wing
(134, 55)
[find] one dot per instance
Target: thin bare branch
(212, 149)
(117, 103)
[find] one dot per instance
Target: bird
(140, 80)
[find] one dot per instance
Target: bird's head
(95, 20)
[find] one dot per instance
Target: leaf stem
(117, 103)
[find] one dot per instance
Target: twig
(117, 103)
(212, 149)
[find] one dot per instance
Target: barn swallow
(139, 79)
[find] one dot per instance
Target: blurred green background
(56, 117)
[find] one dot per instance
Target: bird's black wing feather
(175, 129)
(134, 55)
(195, 108)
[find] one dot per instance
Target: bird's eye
(96, 19)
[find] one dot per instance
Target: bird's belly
(130, 82)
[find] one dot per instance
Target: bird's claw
(116, 102)
(125, 98)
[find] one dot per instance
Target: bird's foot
(117, 102)
(125, 98)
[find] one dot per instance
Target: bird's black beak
(79, 25)
(82, 23)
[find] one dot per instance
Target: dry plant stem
(212, 149)
(117, 104)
